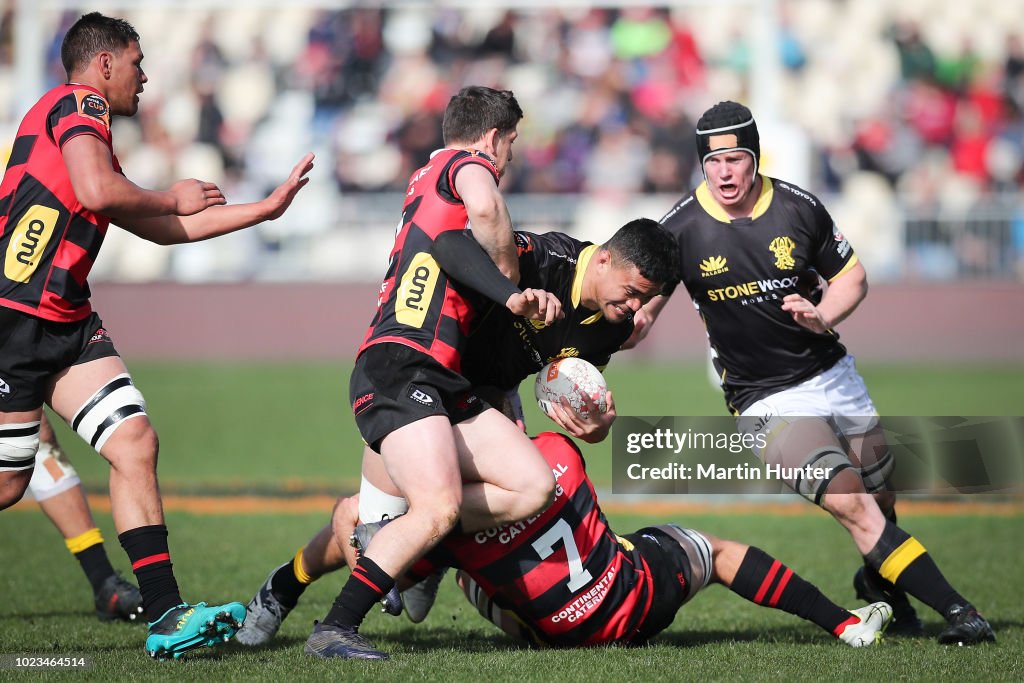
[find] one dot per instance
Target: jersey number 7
(545, 546)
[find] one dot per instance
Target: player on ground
(411, 405)
(58, 490)
(62, 188)
(601, 287)
(565, 579)
(752, 249)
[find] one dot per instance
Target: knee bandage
(53, 473)
(876, 475)
(18, 445)
(375, 505)
(116, 402)
(698, 549)
(818, 472)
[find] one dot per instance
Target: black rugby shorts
(33, 350)
(394, 385)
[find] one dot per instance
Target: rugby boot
(418, 599)
(966, 627)
(187, 627)
(118, 599)
(868, 631)
(339, 642)
(263, 615)
(391, 603)
(905, 621)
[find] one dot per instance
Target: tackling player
(565, 579)
(752, 249)
(410, 403)
(601, 285)
(62, 189)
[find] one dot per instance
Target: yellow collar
(577, 282)
(718, 213)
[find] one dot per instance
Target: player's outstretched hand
(536, 304)
(594, 427)
(192, 196)
(805, 313)
(281, 198)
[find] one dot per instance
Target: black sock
(285, 586)
(151, 561)
(96, 565)
(872, 573)
(901, 559)
(764, 580)
(367, 584)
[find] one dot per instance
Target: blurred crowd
(913, 112)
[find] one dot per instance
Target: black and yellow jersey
(505, 348)
(737, 272)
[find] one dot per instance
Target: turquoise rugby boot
(187, 627)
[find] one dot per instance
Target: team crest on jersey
(92, 105)
(782, 248)
(523, 243)
(713, 265)
(842, 245)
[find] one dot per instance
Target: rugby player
(752, 251)
(410, 403)
(62, 188)
(58, 490)
(601, 287)
(565, 579)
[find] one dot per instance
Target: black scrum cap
(725, 127)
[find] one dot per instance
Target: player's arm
(489, 217)
(643, 320)
(102, 189)
(462, 257)
(220, 220)
(844, 293)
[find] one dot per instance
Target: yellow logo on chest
(782, 248)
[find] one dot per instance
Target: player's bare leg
(895, 555)
(758, 577)
(99, 401)
(496, 493)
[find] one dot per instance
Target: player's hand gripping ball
(572, 378)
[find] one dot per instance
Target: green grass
(276, 426)
(718, 636)
(271, 428)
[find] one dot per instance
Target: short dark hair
(477, 109)
(644, 243)
(91, 34)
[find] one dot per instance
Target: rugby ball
(572, 378)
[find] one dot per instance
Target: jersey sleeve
(460, 162)
(833, 254)
(81, 112)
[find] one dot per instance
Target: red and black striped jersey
(48, 239)
(419, 305)
(563, 572)
(504, 349)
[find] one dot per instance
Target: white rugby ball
(572, 378)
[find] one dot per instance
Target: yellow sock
(300, 573)
(84, 541)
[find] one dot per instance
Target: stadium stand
(911, 114)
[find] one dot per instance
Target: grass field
(271, 429)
